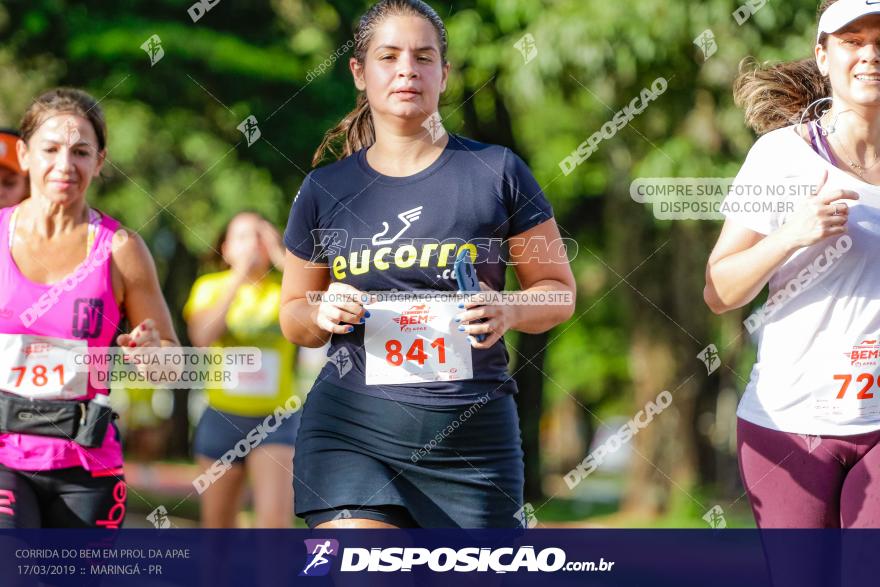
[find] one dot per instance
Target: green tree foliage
(179, 168)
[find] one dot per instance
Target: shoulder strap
(11, 226)
(94, 223)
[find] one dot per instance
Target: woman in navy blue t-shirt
(411, 424)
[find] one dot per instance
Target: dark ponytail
(356, 129)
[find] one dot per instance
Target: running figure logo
(159, 518)
(527, 47)
(342, 360)
(715, 518)
(706, 43)
(434, 125)
(153, 48)
(250, 130)
(407, 218)
(710, 358)
(72, 133)
(328, 242)
(811, 441)
(526, 516)
(317, 563)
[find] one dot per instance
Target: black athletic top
(382, 233)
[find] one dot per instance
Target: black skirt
(443, 466)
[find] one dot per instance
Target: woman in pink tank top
(68, 275)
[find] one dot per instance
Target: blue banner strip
(268, 558)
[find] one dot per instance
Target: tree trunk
(663, 268)
(182, 269)
(529, 401)
(529, 373)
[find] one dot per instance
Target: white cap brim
(843, 12)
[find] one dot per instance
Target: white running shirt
(819, 340)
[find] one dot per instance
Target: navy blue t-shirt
(355, 220)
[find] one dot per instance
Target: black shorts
(220, 432)
(63, 498)
(408, 465)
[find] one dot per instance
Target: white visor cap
(843, 12)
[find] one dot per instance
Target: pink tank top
(80, 308)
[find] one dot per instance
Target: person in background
(13, 181)
(239, 308)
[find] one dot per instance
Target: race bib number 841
(412, 343)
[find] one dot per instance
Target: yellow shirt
(252, 321)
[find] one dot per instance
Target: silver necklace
(857, 167)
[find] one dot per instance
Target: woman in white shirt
(809, 422)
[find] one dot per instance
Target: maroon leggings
(798, 481)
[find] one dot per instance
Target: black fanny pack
(85, 423)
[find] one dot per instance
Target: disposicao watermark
(715, 198)
(327, 64)
(495, 298)
(243, 447)
(93, 262)
(626, 433)
(448, 430)
(231, 368)
(618, 122)
(808, 276)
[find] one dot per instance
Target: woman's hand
(145, 341)
(271, 239)
(244, 262)
(818, 217)
(342, 308)
(499, 318)
(144, 335)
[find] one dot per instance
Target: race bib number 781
(40, 367)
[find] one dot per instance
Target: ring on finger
(837, 211)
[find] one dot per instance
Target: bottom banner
(268, 558)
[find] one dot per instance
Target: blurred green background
(179, 168)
